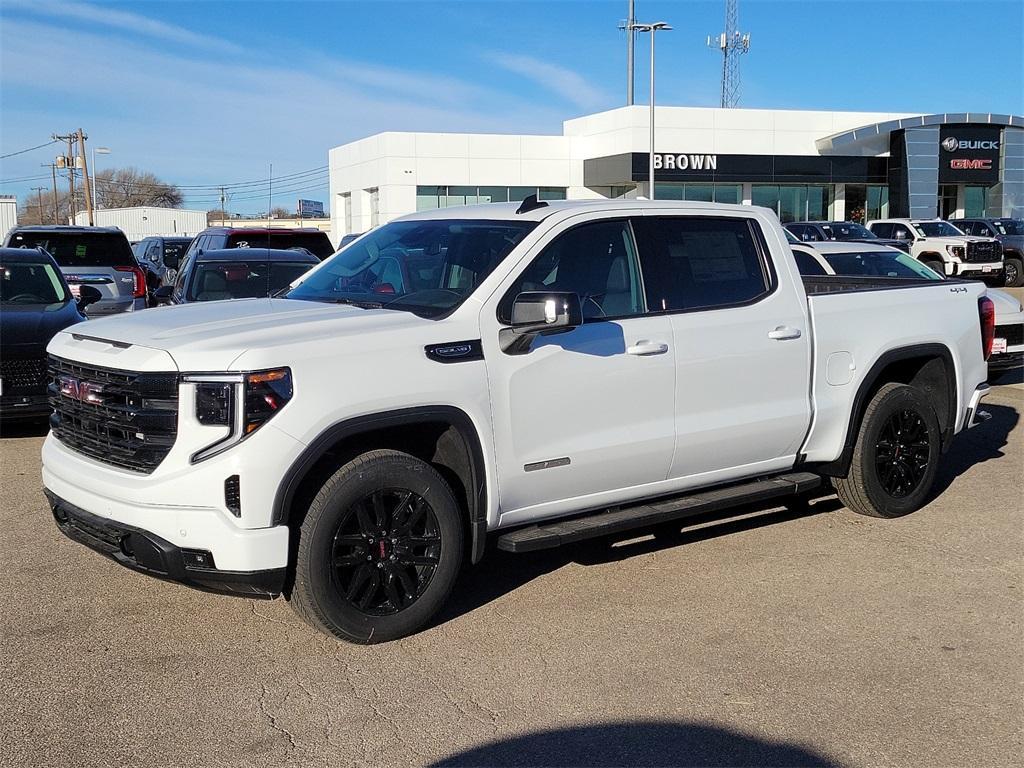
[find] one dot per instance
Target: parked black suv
(159, 257)
(217, 238)
(96, 256)
(847, 231)
(1009, 232)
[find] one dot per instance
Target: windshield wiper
(355, 303)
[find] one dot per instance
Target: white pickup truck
(945, 249)
(531, 375)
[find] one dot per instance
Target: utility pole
(222, 206)
(53, 171)
(731, 43)
(69, 164)
(39, 201)
(85, 175)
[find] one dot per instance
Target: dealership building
(801, 164)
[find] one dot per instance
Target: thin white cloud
(568, 84)
(127, 21)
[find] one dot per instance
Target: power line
(30, 149)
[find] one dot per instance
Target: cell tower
(731, 43)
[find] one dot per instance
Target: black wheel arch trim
(840, 466)
(457, 418)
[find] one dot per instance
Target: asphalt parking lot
(778, 639)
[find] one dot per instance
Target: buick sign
(952, 144)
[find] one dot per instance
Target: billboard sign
(310, 208)
(969, 154)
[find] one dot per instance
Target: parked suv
(845, 231)
(160, 257)
(944, 248)
(96, 256)
(1010, 233)
(215, 238)
(233, 273)
(544, 373)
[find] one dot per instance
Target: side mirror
(163, 294)
(540, 313)
(899, 235)
(87, 295)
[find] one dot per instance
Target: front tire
(1013, 272)
(379, 549)
(896, 455)
(935, 265)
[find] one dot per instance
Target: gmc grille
(122, 418)
(1014, 334)
(983, 252)
(23, 375)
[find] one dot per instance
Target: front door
(742, 345)
(585, 415)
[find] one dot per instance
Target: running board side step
(611, 521)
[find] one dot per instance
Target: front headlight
(242, 402)
(956, 251)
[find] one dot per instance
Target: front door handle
(645, 347)
(784, 332)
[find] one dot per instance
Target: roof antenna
(530, 203)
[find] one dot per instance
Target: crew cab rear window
(700, 263)
(80, 249)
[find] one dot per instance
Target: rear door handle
(784, 332)
(645, 347)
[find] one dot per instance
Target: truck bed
(825, 284)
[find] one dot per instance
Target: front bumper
(24, 406)
(148, 553)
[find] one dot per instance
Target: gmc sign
(969, 154)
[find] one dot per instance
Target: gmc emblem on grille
(83, 391)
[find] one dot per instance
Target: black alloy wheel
(385, 551)
(902, 453)
(1011, 273)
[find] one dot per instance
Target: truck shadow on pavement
(501, 572)
(642, 743)
(976, 446)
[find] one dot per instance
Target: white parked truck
(533, 375)
(944, 248)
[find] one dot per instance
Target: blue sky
(209, 93)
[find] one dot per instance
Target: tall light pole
(95, 173)
(657, 26)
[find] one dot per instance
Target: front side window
(432, 266)
(1010, 226)
(901, 233)
(879, 264)
(937, 229)
(700, 263)
(22, 283)
(882, 229)
(596, 261)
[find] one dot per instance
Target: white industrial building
(147, 221)
(8, 213)
(802, 164)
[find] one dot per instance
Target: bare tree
(277, 212)
(129, 187)
(216, 216)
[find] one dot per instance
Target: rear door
(103, 260)
(742, 345)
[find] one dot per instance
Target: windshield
(937, 229)
(316, 243)
(879, 264)
(428, 267)
(217, 281)
(790, 236)
(851, 231)
(80, 249)
(22, 283)
(1009, 226)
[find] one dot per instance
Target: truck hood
(959, 240)
(1007, 307)
(210, 336)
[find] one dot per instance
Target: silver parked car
(96, 256)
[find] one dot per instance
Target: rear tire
(379, 549)
(896, 455)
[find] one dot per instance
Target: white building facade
(147, 221)
(804, 165)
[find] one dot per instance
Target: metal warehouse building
(801, 164)
(147, 221)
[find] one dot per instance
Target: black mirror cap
(163, 293)
(547, 310)
(88, 295)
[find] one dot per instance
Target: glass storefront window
(518, 194)
(877, 202)
(975, 203)
(551, 193)
(729, 193)
(719, 193)
(795, 202)
(430, 197)
(493, 195)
